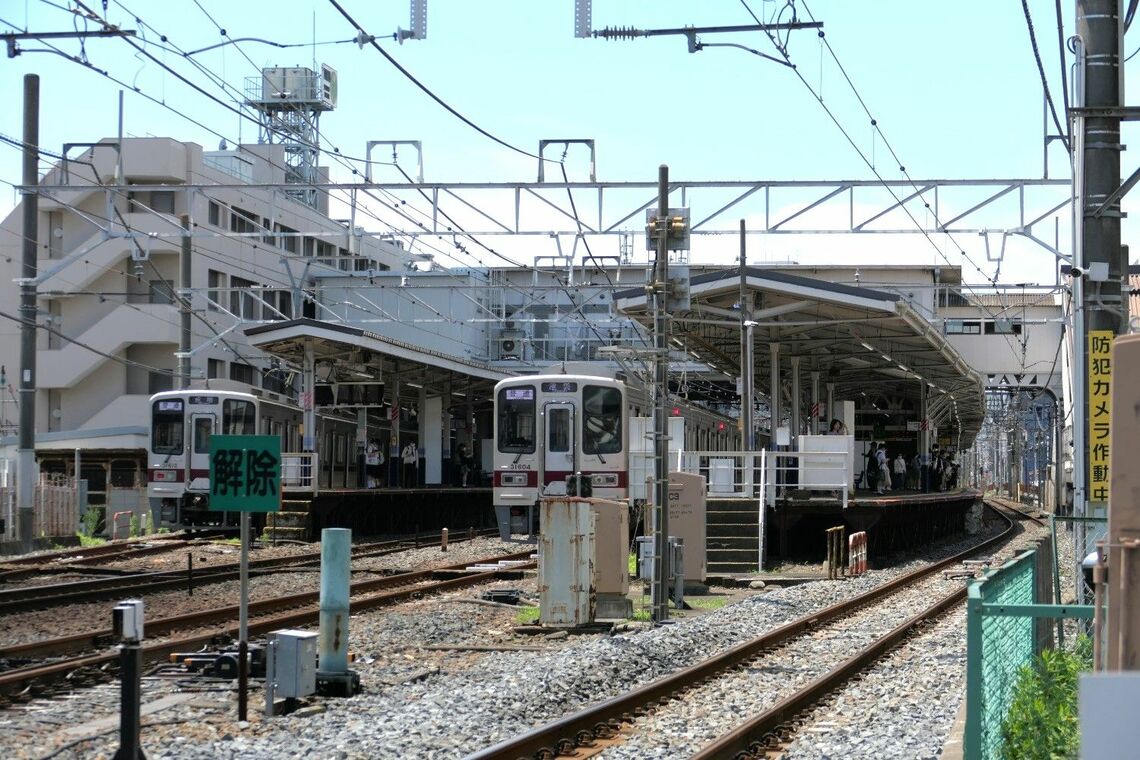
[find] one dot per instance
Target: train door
(198, 463)
(558, 456)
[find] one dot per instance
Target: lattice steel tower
(290, 102)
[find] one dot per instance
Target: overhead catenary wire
(870, 165)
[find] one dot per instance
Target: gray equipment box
(292, 663)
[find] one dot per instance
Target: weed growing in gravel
(89, 527)
(527, 616)
(1042, 719)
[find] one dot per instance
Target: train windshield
(167, 426)
(516, 420)
(239, 418)
(601, 420)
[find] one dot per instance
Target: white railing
(300, 472)
(765, 475)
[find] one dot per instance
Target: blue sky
(953, 86)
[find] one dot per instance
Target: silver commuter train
(548, 427)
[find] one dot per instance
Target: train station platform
(795, 526)
(385, 511)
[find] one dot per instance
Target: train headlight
(605, 480)
(513, 479)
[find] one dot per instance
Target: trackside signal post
(245, 476)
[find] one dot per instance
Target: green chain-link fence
(1002, 636)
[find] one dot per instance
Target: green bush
(1042, 721)
(136, 525)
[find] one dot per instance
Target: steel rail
(40, 597)
(91, 639)
(13, 681)
(606, 717)
(749, 739)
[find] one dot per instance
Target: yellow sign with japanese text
(1100, 413)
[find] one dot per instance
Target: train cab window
(166, 431)
(601, 420)
(239, 418)
(517, 420)
(203, 429)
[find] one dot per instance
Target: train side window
(239, 417)
(166, 428)
(601, 420)
(516, 431)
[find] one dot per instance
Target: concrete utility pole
(184, 296)
(1098, 258)
(660, 598)
(25, 475)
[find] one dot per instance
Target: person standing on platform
(837, 427)
(374, 463)
(899, 479)
(914, 472)
(884, 469)
(410, 456)
(464, 456)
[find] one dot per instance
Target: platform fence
(1008, 623)
(766, 476)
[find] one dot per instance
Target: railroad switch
(223, 664)
(503, 595)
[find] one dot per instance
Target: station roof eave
(366, 352)
(868, 342)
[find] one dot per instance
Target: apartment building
(108, 289)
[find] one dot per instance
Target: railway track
(77, 560)
(591, 731)
(56, 594)
(287, 612)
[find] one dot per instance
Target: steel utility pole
(1098, 259)
(660, 286)
(26, 463)
(746, 364)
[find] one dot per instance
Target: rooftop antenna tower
(290, 102)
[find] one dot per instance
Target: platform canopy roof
(344, 353)
(874, 346)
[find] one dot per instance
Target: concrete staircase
(731, 537)
(292, 523)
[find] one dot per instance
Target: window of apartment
(159, 381)
(242, 221)
(274, 380)
(267, 236)
(217, 281)
(161, 292)
(963, 327)
(215, 368)
(215, 214)
(343, 261)
(242, 373)
(242, 302)
(326, 252)
(288, 237)
(309, 246)
(285, 305)
(162, 201)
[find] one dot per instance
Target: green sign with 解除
(245, 473)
